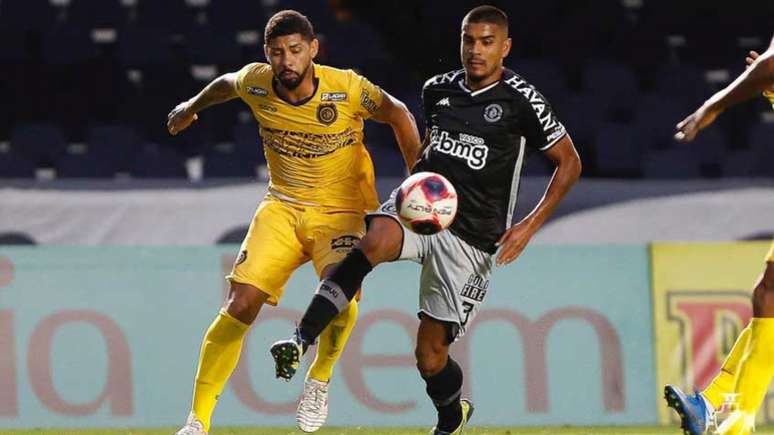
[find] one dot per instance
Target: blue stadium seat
(14, 165)
(544, 75)
(208, 45)
(711, 146)
(613, 82)
(114, 143)
(248, 141)
(618, 153)
(582, 115)
(79, 161)
(41, 143)
(224, 160)
(680, 162)
(762, 139)
(139, 46)
(158, 161)
(739, 164)
(655, 118)
(682, 82)
(387, 159)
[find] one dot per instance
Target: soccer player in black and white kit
(482, 122)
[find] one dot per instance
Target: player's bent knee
(430, 359)
(244, 302)
(382, 241)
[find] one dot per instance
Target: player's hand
(749, 61)
(180, 118)
(513, 242)
(688, 128)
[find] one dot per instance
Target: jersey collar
(461, 83)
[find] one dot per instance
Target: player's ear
(507, 47)
(266, 52)
(314, 47)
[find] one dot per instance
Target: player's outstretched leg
(381, 243)
(692, 410)
(757, 366)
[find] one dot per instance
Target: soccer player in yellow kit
(749, 367)
(322, 184)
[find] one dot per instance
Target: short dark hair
(288, 22)
(487, 14)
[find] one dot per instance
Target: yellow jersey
(314, 148)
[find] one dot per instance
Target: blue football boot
(693, 412)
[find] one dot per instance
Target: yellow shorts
(283, 236)
(770, 256)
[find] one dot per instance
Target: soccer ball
(426, 203)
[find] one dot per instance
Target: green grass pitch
(608, 430)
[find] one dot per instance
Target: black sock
(333, 294)
(445, 390)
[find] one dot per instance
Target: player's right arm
(757, 78)
(220, 90)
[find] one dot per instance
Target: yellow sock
(725, 381)
(755, 372)
(332, 342)
(219, 356)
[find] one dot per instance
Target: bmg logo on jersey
(471, 148)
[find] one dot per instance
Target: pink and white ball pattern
(426, 203)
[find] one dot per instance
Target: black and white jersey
(479, 140)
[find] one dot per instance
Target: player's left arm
(393, 112)
(568, 169)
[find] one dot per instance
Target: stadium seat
(618, 153)
(248, 141)
(613, 83)
(684, 82)
(739, 164)
(208, 45)
(762, 138)
(158, 161)
(40, 143)
(655, 118)
(14, 165)
(544, 75)
(673, 163)
(78, 161)
(223, 160)
(139, 46)
(387, 160)
(113, 143)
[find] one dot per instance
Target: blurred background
(87, 84)
(115, 236)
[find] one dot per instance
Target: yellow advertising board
(701, 301)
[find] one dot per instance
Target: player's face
(483, 48)
(290, 57)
